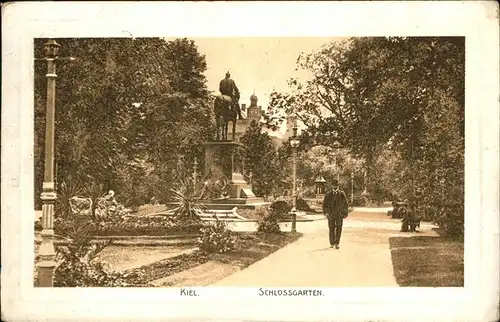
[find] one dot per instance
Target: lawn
(123, 258)
(251, 248)
(428, 261)
(250, 214)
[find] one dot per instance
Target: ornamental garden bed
(135, 226)
(251, 247)
(123, 270)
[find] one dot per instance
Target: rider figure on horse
(227, 86)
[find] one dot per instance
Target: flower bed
(250, 247)
(78, 265)
(135, 226)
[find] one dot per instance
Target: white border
(478, 21)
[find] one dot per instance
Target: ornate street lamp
(294, 142)
(195, 174)
(47, 254)
(336, 145)
(364, 182)
(352, 187)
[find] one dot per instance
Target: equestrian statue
(226, 107)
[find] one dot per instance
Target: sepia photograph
(249, 162)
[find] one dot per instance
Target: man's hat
(335, 182)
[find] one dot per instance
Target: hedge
(143, 226)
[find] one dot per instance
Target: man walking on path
(335, 208)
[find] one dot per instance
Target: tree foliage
(401, 97)
(331, 164)
(125, 109)
(262, 160)
(366, 91)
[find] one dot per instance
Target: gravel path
(363, 260)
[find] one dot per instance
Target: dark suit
(336, 208)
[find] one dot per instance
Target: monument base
(239, 188)
(239, 191)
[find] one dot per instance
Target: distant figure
(228, 87)
(410, 220)
(335, 208)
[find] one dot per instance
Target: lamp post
(195, 166)
(364, 181)
(352, 187)
(336, 146)
(337, 169)
(47, 253)
(294, 142)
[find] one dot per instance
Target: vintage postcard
(250, 160)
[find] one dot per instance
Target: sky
(256, 64)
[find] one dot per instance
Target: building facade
(254, 112)
(250, 113)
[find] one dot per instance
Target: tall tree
(261, 159)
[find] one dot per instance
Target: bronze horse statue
(225, 112)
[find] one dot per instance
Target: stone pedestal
(220, 158)
(239, 188)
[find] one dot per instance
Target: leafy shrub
(35, 268)
(280, 208)
(216, 238)
(109, 210)
(359, 201)
(134, 226)
(302, 205)
(38, 225)
(450, 219)
(73, 272)
(426, 212)
(77, 265)
(269, 222)
(309, 192)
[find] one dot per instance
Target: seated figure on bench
(410, 218)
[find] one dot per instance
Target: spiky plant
(79, 241)
(94, 192)
(185, 197)
(64, 195)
